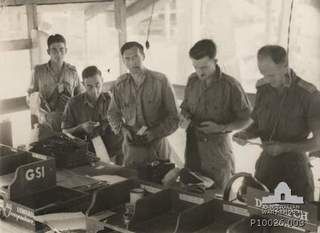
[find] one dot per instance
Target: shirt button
(204, 139)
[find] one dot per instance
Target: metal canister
(136, 194)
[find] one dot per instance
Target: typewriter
(68, 152)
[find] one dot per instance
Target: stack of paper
(63, 221)
(110, 179)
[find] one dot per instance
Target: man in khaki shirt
(56, 82)
(286, 111)
(143, 108)
(215, 104)
(85, 115)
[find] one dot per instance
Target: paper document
(69, 179)
(254, 143)
(103, 215)
(110, 179)
(34, 101)
(63, 221)
(100, 149)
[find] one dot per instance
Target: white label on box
(39, 156)
(191, 199)
(236, 210)
(150, 189)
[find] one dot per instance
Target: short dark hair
(277, 53)
(56, 38)
(90, 71)
(131, 44)
(203, 48)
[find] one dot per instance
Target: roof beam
(139, 6)
(49, 2)
(121, 25)
(11, 45)
(32, 21)
(13, 105)
(131, 10)
(96, 9)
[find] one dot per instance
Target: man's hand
(89, 126)
(126, 133)
(64, 99)
(211, 127)
(275, 148)
(241, 138)
(148, 136)
(184, 122)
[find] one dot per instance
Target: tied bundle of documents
(59, 222)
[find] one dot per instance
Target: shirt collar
(87, 101)
(216, 76)
(144, 75)
(50, 69)
(289, 78)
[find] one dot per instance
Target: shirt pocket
(263, 116)
(125, 106)
(296, 120)
(46, 89)
(192, 101)
(43, 86)
(152, 99)
(214, 111)
(295, 113)
(214, 106)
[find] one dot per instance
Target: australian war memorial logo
(281, 208)
(283, 204)
(282, 195)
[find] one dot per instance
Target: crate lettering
(33, 173)
(25, 212)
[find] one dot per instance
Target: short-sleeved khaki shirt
(46, 82)
(223, 101)
(289, 116)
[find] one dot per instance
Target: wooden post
(31, 10)
(121, 26)
(34, 52)
(167, 16)
(268, 21)
(283, 23)
(196, 20)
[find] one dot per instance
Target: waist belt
(207, 137)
